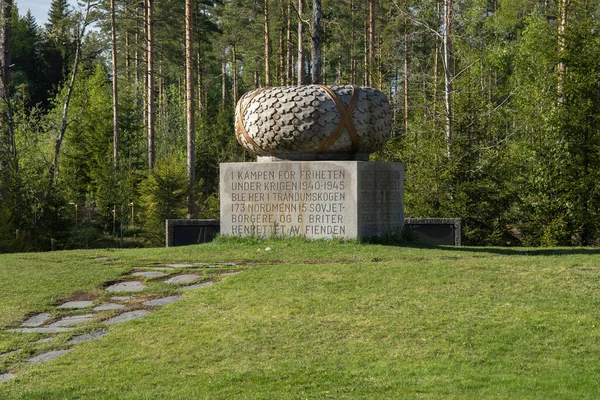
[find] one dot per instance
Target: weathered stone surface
(149, 274)
(72, 320)
(7, 377)
(37, 320)
(197, 285)
(120, 298)
(162, 301)
(45, 340)
(183, 278)
(88, 336)
(318, 199)
(130, 286)
(11, 353)
(297, 122)
(51, 355)
(76, 304)
(128, 316)
(42, 330)
(108, 307)
(179, 265)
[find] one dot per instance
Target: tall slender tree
(189, 101)
(8, 149)
(316, 42)
(267, 44)
(151, 106)
(300, 60)
(115, 85)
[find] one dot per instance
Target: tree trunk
(281, 53)
(406, 75)
(289, 74)
(316, 43)
(447, 56)
(9, 145)
(150, 82)
(352, 41)
(562, 68)
(200, 78)
(65, 109)
(300, 72)
(436, 56)
(267, 46)
(235, 75)
(189, 102)
(371, 36)
(366, 55)
(223, 82)
(115, 86)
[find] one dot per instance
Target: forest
(115, 114)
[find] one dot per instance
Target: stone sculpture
(313, 122)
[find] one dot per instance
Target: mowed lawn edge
(344, 320)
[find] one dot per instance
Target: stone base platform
(316, 199)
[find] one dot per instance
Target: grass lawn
(317, 320)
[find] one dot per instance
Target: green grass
(322, 320)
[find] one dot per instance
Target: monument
(312, 176)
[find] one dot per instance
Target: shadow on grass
(506, 251)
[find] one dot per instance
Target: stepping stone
(120, 298)
(128, 316)
(108, 307)
(6, 377)
(130, 286)
(161, 268)
(51, 355)
(75, 304)
(149, 274)
(41, 330)
(197, 285)
(162, 301)
(100, 258)
(183, 278)
(37, 320)
(72, 320)
(180, 265)
(88, 336)
(10, 353)
(45, 340)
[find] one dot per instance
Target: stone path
(109, 309)
(75, 304)
(37, 320)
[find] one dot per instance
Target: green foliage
(163, 195)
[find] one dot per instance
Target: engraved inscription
(289, 202)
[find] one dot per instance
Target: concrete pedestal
(316, 199)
